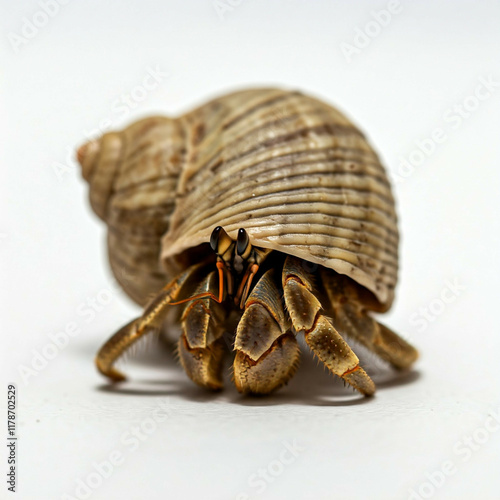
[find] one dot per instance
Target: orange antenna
(245, 284)
(221, 268)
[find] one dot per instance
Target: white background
(67, 79)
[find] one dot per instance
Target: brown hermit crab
(263, 212)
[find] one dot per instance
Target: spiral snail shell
(291, 182)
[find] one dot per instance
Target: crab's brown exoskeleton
(264, 204)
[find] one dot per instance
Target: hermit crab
(258, 216)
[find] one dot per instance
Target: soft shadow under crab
(311, 385)
(276, 296)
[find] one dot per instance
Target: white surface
(65, 81)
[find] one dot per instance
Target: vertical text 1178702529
(11, 438)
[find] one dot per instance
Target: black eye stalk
(222, 244)
(243, 243)
(214, 238)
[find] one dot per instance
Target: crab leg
(151, 320)
(305, 311)
(350, 316)
(267, 353)
(201, 346)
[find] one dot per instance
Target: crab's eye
(242, 241)
(221, 243)
(214, 238)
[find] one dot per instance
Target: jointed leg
(150, 320)
(201, 347)
(351, 318)
(267, 353)
(305, 312)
